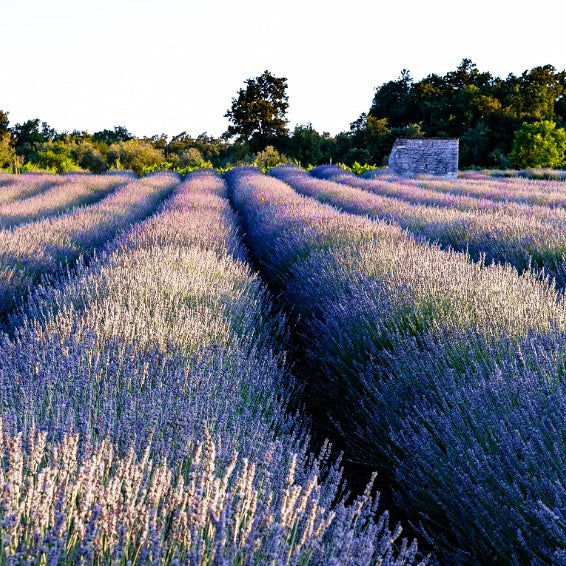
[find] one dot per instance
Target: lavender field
(183, 360)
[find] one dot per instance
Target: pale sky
(169, 66)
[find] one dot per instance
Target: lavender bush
(473, 184)
(429, 366)
(14, 187)
(75, 191)
(523, 240)
(497, 197)
(46, 247)
(158, 381)
(483, 450)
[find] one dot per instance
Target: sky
(168, 66)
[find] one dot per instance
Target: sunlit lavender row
(522, 240)
(14, 187)
(75, 191)
(46, 247)
(167, 344)
(543, 193)
(444, 374)
(414, 192)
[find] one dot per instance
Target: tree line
(517, 121)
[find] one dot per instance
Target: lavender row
(14, 187)
(414, 192)
(63, 196)
(542, 193)
(444, 374)
(46, 247)
(6, 179)
(521, 240)
(169, 346)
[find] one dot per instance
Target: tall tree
(536, 94)
(118, 134)
(257, 114)
(28, 136)
(305, 145)
(392, 100)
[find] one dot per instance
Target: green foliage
(257, 114)
(482, 110)
(4, 123)
(55, 157)
(540, 144)
(306, 145)
(359, 168)
(134, 154)
(148, 169)
(7, 152)
(191, 158)
(109, 137)
(269, 158)
(91, 158)
(356, 168)
(27, 138)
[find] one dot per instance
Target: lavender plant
(46, 247)
(483, 451)
(477, 185)
(15, 187)
(429, 366)
(496, 196)
(75, 191)
(523, 240)
(158, 381)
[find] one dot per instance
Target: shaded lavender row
(74, 191)
(446, 375)
(543, 193)
(6, 179)
(14, 187)
(168, 344)
(47, 247)
(521, 240)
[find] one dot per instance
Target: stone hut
(425, 156)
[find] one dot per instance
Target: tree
(257, 114)
(4, 123)
(393, 101)
(7, 153)
(536, 93)
(118, 134)
(88, 156)
(191, 158)
(305, 145)
(54, 156)
(27, 138)
(540, 144)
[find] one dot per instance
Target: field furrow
(170, 345)
(444, 374)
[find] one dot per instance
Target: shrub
(269, 158)
(134, 154)
(540, 144)
(445, 374)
